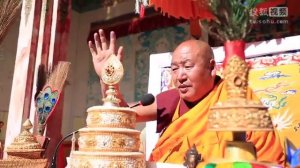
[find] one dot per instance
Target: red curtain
(187, 9)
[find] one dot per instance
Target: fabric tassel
(140, 6)
(137, 6)
(142, 11)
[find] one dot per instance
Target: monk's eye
(188, 66)
(174, 68)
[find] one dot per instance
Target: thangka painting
(157, 41)
(275, 80)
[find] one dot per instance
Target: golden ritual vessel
(238, 114)
(24, 151)
(109, 139)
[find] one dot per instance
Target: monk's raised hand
(101, 50)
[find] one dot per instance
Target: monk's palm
(99, 61)
(101, 50)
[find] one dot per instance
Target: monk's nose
(181, 75)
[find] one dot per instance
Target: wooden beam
(131, 23)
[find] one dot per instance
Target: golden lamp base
(240, 151)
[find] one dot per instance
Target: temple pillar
(22, 84)
(43, 39)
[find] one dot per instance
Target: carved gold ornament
(236, 77)
(109, 139)
(238, 113)
(112, 74)
(112, 71)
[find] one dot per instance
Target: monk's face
(193, 70)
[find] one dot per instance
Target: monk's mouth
(183, 89)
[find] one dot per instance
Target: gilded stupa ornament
(238, 113)
(25, 144)
(25, 151)
(112, 74)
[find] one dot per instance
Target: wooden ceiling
(88, 5)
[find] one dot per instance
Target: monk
(181, 113)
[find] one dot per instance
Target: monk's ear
(213, 73)
(212, 64)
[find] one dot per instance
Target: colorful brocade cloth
(238, 165)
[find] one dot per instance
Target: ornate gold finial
(27, 125)
(112, 74)
(236, 77)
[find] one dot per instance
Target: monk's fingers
(112, 45)
(103, 39)
(92, 48)
(97, 43)
(120, 53)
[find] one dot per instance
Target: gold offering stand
(109, 138)
(238, 114)
(24, 151)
